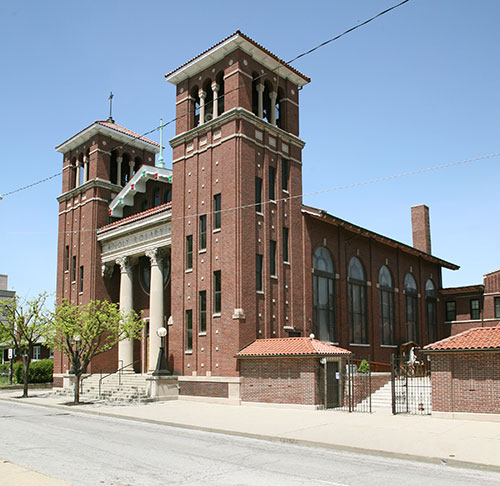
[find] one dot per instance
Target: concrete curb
(457, 463)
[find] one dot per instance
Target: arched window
(81, 173)
(431, 310)
(267, 101)
(220, 94)
(386, 290)
(209, 101)
(168, 194)
(137, 164)
(411, 308)
(156, 197)
(358, 328)
(72, 181)
(125, 170)
(280, 119)
(87, 165)
(324, 295)
(196, 106)
(255, 94)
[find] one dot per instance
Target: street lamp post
(161, 364)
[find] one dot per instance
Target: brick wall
(281, 380)
(466, 382)
(203, 389)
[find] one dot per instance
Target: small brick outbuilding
(466, 372)
(300, 370)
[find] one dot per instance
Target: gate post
(393, 382)
(370, 381)
(349, 382)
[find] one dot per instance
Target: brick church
(221, 251)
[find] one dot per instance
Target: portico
(139, 246)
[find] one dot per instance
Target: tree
(23, 323)
(82, 332)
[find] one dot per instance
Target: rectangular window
(36, 352)
(203, 232)
(217, 292)
(497, 307)
(258, 272)
(284, 174)
(217, 213)
(189, 330)
(272, 258)
(202, 305)
(189, 252)
(451, 311)
(73, 269)
(81, 279)
(258, 194)
(66, 258)
(272, 183)
(285, 244)
(475, 310)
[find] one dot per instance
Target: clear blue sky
(415, 88)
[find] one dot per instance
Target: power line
(314, 193)
(299, 56)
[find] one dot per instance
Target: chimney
(421, 228)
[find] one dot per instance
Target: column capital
(131, 163)
(156, 255)
(273, 95)
(260, 88)
(126, 263)
(119, 158)
(215, 87)
(107, 269)
(202, 94)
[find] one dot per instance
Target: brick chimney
(421, 228)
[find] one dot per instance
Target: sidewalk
(456, 442)
(14, 475)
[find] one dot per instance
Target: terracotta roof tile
(135, 217)
(477, 338)
(256, 44)
(298, 346)
(126, 131)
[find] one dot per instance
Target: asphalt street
(90, 450)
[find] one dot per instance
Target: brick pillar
(421, 228)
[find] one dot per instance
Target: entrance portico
(128, 243)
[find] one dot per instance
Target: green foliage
(39, 371)
(364, 367)
(4, 369)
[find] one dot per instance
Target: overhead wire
(299, 56)
(309, 194)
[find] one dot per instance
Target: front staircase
(130, 387)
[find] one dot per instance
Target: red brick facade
(466, 381)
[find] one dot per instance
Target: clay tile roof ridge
(135, 217)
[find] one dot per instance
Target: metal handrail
(119, 370)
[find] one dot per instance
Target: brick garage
(466, 372)
(287, 370)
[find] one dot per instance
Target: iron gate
(411, 384)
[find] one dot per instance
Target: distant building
(473, 305)
(5, 293)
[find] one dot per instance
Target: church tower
(237, 252)
(97, 163)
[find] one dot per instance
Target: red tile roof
(126, 131)
(256, 44)
(296, 346)
(135, 217)
(477, 338)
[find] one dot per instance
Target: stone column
(78, 169)
(260, 100)
(272, 97)
(156, 319)
(215, 90)
(126, 347)
(203, 95)
(119, 161)
(85, 169)
(130, 169)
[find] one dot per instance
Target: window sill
(359, 344)
(203, 250)
(66, 271)
(188, 352)
(272, 201)
(285, 191)
(202, 333)
(259, 213)
(216, 230)
(286, 263)
(189, 270)
(260, 292)
(216, 314)
(388, 345)
(275, 277)
(81, 292)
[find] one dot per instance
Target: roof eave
(219, 51)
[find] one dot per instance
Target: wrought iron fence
(411, 384)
